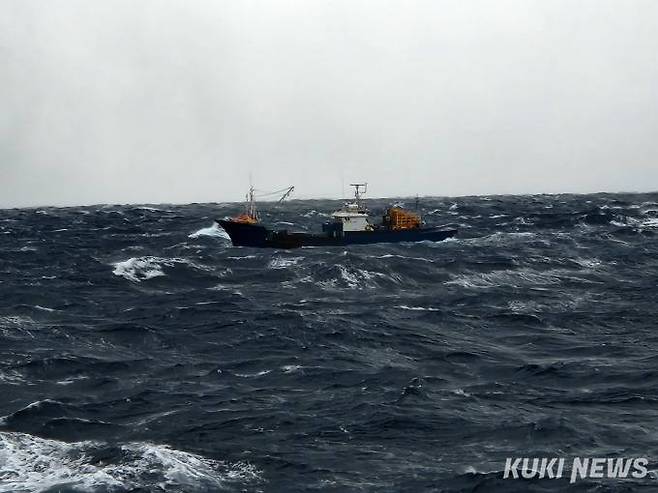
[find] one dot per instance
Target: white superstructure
(353, 215)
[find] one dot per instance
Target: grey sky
(177, 101)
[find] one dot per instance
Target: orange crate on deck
(401, 219)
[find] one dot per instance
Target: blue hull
(256, 235)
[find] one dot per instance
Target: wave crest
(139, 269)
(214, 231)
(32, 464)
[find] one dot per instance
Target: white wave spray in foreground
(32, 464)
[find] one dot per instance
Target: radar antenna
(359, 189)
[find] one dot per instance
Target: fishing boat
(349, 225)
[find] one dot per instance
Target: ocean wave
(139, 269)
(345, 276)
(47, 405)
(33, 464)
(531, 307)
(12, 377)
(646, 207)
(588, 263)
(404, 257)
(470, 331)
(148, 208)
(16, 321)
(418, 308)
(637, 224)
(17, 327)
(253, 375)
(213, 231)
(313, 212)
(506, 278)
(283, 262)
(504, 239)
(45, 308)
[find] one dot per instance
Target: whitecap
(313, 212)
(534, 307)
(283, 263)
(418, 308)
(517, 306)
(349, 276)
(71, 380)
(506, 278)
(44, 308)
(17, 326)
(501, 239)
(391, 255)
(522, 221)
(139, 268)
(33, 464)
(38, 404)
(588, 263)
(252, 375)
(12, 377)
(222, 287)
(353, 278)
(215, 231)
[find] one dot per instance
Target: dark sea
(141, 352)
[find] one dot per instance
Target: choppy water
(139, 351)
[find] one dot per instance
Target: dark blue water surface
(140, 351)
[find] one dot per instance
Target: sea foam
(139, 269)
(214, 230)
(33, 464)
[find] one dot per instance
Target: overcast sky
(178, 101)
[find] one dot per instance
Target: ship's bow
(244, 234)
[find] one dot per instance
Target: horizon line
(105, 204)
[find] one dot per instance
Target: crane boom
(287, 194)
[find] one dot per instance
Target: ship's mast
(251, 204)
(250, 199)
(358, 187)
